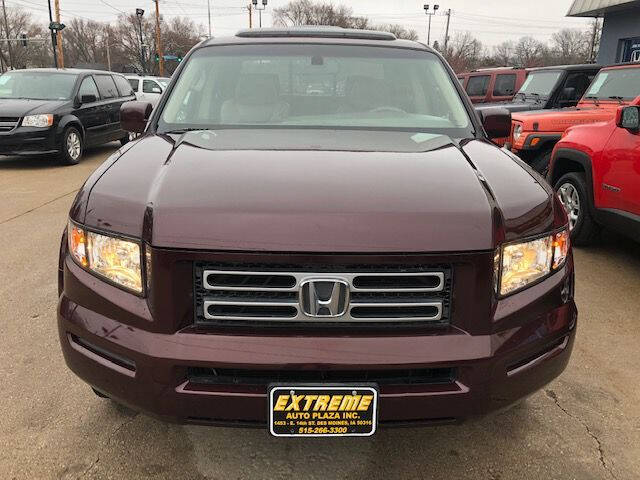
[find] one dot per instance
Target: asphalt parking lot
(585, 425)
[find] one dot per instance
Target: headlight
(115, 259)
(517, 132)
(521, 264)
(40, 121)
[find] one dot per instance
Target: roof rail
(316, 31)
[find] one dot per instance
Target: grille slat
(420, 376)
(8, 123)
(241, 294)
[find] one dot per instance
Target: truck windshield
(315, 86)
(619, 83)
(540, 83)
(37, 85)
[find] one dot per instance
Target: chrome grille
(238, 295)
(8, 123)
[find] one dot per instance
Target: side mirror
(496, 121)
(135, 115)
(629, 118)
(90, 98)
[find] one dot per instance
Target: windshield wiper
(616, 97)
(595, 99)
(185, 130)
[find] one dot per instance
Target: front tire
(574, 195)
(72, 146)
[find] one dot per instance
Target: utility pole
(53, 37)
(446, 32)
(6, 29)
(159, 40)
(250, 8)
(209, 14)
(59, 36)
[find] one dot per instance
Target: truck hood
(558, 120)
(10, 107)
(513, 106)
(362, 192)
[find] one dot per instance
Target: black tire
(126, 139)
(540, 163)
(99, 393)
(585, 229)
(71, 155)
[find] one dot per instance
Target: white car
(148, 89)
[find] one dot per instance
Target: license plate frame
(343, 420)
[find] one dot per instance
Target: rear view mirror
(629, 118)
(135, 115)
(496, 121)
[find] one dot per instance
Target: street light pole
(429, 15)
(139, 14)
(260, 9)
(209, 14)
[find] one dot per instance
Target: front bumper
(29, 141)
(148, 370)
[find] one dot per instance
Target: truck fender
(556, 171)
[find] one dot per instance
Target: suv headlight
(517, 132)
(40, 121)
(115, 259)
(519, 265)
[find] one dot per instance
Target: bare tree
(464, 52)
(37, 53)
(503, 53)
(308, 12)
(570, 46)
(529, 52)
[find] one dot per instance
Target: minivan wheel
(71, 147)
(126, 139)
(573, 193)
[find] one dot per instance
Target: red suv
(314, 234)
(487, 85)
(596, 172)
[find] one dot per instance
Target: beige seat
(257, 100)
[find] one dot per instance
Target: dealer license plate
(323, 410)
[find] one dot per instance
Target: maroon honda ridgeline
(314, 235)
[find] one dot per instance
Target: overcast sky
(492, 21)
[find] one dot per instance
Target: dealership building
(620, 40)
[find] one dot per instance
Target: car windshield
(315, 86)
(620, 83)
(37, 85)
(540, 83)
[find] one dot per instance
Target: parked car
(596, 171)
(267, 256)
(148, 89)
(60, 112)
(488, 85)
(550, 87)
(534, 134)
